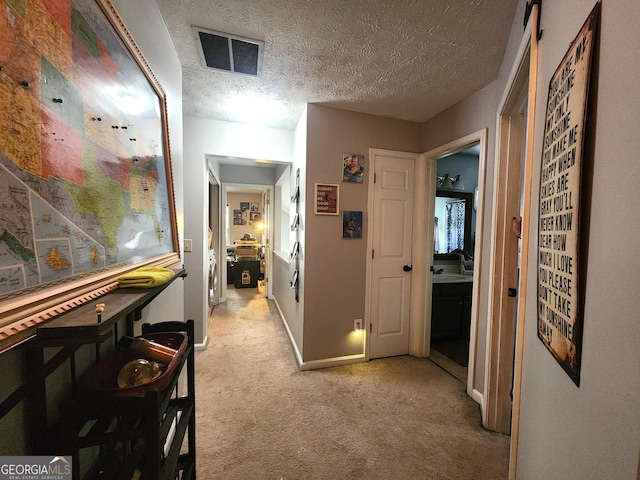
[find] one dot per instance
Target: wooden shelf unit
(140, 435)
(71, 331)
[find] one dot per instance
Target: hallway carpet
(260, 417)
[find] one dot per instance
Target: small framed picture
(326, 199)
(255, 207)
(255, 216)
(351, 224)
(244, 206)
(239, 218)
(352, 167)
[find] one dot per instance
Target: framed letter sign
(559, 295)
(326, 199)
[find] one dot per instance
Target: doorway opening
(246, 189)
(431, 178)
(453, 258)
(247, 236)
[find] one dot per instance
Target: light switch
(188, 244)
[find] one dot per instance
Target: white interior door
(390, 266)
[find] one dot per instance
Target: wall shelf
(80, 325)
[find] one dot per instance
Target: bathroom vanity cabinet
(451, 310)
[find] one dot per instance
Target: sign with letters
(559, 323)
(326, 199)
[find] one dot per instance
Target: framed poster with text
(326, 199)
(559, 309)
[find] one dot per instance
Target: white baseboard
(477, 396)
(315, 364)
(297, 353)
(333, 362)
(203, 345)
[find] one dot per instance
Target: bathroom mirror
(452, 229)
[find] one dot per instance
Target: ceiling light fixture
(252, 108)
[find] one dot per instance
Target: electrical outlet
(188, 244)
(357, 325)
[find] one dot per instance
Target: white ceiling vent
(222, 51)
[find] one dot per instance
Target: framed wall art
(351, 224)
(560, 299)
(352, 167)
(239, 217)
(326, 199)
(86, 188)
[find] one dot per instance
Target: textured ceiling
(407, 59)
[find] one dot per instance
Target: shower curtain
(454, 219)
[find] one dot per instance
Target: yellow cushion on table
(146, 277)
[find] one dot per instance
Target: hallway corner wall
(335, 267)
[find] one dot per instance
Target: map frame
(23, 310)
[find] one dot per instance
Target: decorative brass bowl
(138, 372)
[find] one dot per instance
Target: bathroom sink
(452, 277)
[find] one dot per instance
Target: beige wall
(335, 267)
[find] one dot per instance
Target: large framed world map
(86, 190)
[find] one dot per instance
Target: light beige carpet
(260, 417)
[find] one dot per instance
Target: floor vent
(222, 51)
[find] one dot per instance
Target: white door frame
(267, 216)
(217, 243)
(514, 140)
(426, 171)
(224, 186)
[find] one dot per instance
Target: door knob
(407, 268)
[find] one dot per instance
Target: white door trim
(425, 194)
(526, 236)
(224, 186)
(514, 136)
